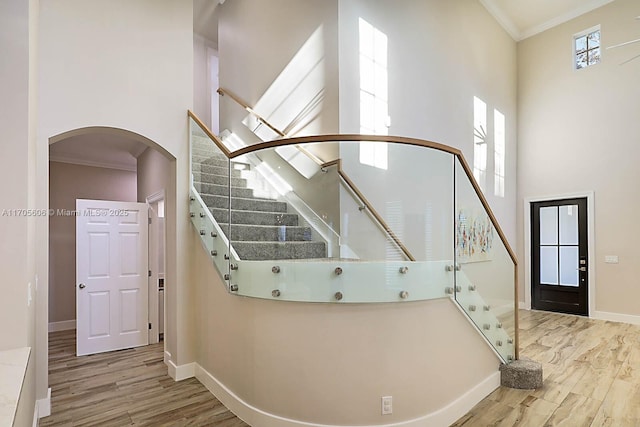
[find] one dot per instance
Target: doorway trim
(591, 286)
(154, 317)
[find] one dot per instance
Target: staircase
(262, 228)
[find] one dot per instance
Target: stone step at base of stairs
(254, 217)
(279, 250)
(245, 204)
(267, 233)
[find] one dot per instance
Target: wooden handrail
(223, 92)
(397, 140)
(210, 134)
(352, 186)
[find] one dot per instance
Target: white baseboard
(65, 325)
(42, 408)
(181, 372)
(617, 317)
(255, 416)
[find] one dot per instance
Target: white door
(111, 276)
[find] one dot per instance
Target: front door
(111, 275)
(559, 269)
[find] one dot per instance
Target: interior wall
(437, 63)
(578, 132)
(202, 79)
(147, 93)
(331, 363)
(69, 182)
(256, 42)
(18, 118)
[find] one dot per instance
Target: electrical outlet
(387, 405)
(611, 259)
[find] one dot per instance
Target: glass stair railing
(350, 232)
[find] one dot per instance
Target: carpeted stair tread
(245, 204)
(279, 250)
(267, 233)
(254, 217)
(222, 190)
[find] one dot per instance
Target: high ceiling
(525, 18)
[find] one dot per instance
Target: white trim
(167, 358)
(507, 23)
(65, 325)
(34, 423)
(82, 162)
(591, 245)
(43, 407)
(255, 416)
(617, 317)
(182, 372)
(503, 19)
(586, 7)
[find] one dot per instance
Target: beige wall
(20, 307)
(67, 183)
(330, 363)
(256, 43)
(579, 132)
(440, 55)
(156, 173)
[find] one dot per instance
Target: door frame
(591, 286)
(154, 294)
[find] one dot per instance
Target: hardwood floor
(591, 376)
(591, 370)
(125, 388)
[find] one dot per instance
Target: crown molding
(83, 162)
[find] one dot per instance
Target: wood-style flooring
(591, 370)
(125, 388)
(591, 376)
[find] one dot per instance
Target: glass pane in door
(569, 265)
(549, 265)
(549, 225)
(569, 225)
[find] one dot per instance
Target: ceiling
(525, 18)
(205, 19)
(98, 149)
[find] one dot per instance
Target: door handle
(81, 286)
(581, 268)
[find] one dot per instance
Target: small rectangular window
(586, 48)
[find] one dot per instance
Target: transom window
(586, 46)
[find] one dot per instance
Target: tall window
(586, 47)
(499, 147)
(480, 141)
(374, 104)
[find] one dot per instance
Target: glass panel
(594, 56)
(387, 244)
(581, 60)
(485, 280)
(549, 265)
(569, 225)
(581, 44)
(569, 266)
(594, 39)
(549, 225)
(209, 199)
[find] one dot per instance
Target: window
(586, 48)
(479, 141)
(374, 104)
(499, 148)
